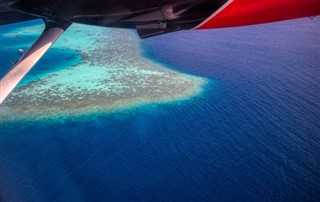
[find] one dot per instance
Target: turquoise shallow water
(11, 43)
(102, 71)
(252, 135)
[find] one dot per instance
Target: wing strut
(50, 34)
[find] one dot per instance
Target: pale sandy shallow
(113, 76)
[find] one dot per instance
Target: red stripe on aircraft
(249, 12)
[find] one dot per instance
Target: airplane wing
(8, 17)
(150, 18)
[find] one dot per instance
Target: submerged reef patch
(112, 75)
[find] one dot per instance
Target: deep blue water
(253, 135)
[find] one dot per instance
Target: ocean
(251, 135)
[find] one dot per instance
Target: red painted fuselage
(248, 12)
